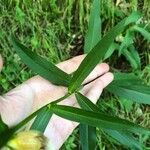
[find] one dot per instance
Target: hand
(20, 102)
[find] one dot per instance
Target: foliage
(124, 44)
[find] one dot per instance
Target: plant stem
(26, 120)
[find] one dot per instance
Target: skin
(21, 101)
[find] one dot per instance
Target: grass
(55, 30)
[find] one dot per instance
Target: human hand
(20, 102)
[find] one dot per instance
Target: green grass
(55, 30)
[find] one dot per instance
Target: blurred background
(55, 29)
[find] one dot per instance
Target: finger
(99, 70)
(1, 63)
(94, 90)
(71, 65)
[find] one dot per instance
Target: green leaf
(111, 50)
(42, 120)
(127, 78)
(3, 126)
(144, 32)
(123, 137)
(127, 41)
(126, 139)
(41, 66)
(95, 119)
(85, 103)
(133, 57)
(132, 89)
(87, 137)
(94, 30)
(97, 53)
(5, 133)
(87, 133)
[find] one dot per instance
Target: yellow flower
(28, 140)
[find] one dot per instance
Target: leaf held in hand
(95, 119)
(41, 121)
(123, 137)
(87, 133)
(98, 52)
(41, 66)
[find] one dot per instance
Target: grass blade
(98, 52)
(96, 119)
(42, 120)
(94, 30)
(39, 65)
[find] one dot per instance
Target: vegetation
(38, 25)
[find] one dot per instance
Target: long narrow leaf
(87, 136)
(96, 119)
(98, 52)
(127, 78)
(124, 138)
(130, 57)
(87, 133)
(143, 31)
(130, 87)
(3, 126)
(5, 133)
(112, 48)
(137, 93)
(135, 55)
(42, 120)
(94, 30)
(127, 41)
(39, 65)
(85, 103)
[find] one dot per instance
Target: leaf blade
(42, 120)
(123, 137)
(39, 65)
(96, 119)
(132, 89)
(94, 30)
(87, 136)
(87, 133)
(143, 31)
(5, 133)
(88, 64)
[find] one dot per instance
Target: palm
(36, 92)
